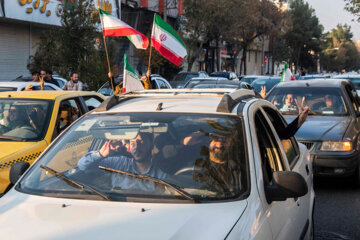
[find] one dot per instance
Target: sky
(331, 12)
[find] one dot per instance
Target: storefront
(21, 22)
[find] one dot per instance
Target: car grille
(307, 144)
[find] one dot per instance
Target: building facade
(22, 21)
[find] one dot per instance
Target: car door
(283, 216)
(297, 161)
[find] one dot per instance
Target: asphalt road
(337, 209)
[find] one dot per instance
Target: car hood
(57, 218)
(319, 128)
(11, 150)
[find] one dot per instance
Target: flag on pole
(131, 81)
(113, 27)
(165, 40)
(286, 74)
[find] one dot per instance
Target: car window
(106, 90)
(321, 101)
(92, 102)
(60, 83)
(24, 120)
(352, 94)
(202, 154)
(161, 84)
(269, 149)
(289, 145)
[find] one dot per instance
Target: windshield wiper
(156, 180)
(2, 137)
(75, 183)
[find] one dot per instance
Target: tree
(339, 51)
(304, 36)
(353, 6)
(75, 46)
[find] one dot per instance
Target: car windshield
(24, 119)
(321, 101)
(269, 83)
(201, 156)
(215, 86)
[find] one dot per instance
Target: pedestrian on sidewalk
(74, 84)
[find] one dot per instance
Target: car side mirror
(286, 184)
(17, 170)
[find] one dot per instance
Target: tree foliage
(236, 22)
(353, 6)
(305, 34)
(76, 46)
(339, 51)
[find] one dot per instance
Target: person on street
(35, 76)
(50, 79)
(74, 84)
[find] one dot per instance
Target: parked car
(229, 75)
(20, 86)
(196, 157)
(331, 131)
(61, 81)
(194, 81)
(354, 78)
(267, 82)
(31, 119)
(183, 77)
(157, 82)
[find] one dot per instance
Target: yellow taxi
(29, 121)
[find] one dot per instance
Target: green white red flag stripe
(165, 40)
(114, 27)
(286, 74)
(131, 81)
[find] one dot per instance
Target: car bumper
(336, 164)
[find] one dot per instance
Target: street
(336, 209)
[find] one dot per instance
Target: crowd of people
(45, 76)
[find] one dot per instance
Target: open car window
(203, 155)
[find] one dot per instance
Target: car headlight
(336, 146)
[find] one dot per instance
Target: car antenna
(159, 107)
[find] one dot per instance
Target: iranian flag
(114, 27)
(286, 74)
(131, 81)
(165, 40)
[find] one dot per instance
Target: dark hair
(72, 73)
(34, 73)
(49, 72)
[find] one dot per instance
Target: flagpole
(107, 54)
(150, 47)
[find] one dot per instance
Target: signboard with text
(45, 11)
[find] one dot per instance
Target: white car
(20, 86)
(167, 164)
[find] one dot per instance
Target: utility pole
(165, 10)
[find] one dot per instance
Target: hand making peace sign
(303, 111)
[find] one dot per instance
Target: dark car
(183, 77)
(220, 83)
(229, 75)
(198, 80)
(250, 78)
(267, 82)
(354, 78)
(314, 76)
(331, 131)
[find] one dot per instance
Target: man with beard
(219, 170)
(112, 155)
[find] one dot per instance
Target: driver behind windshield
(13, 118)
(140, 162)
